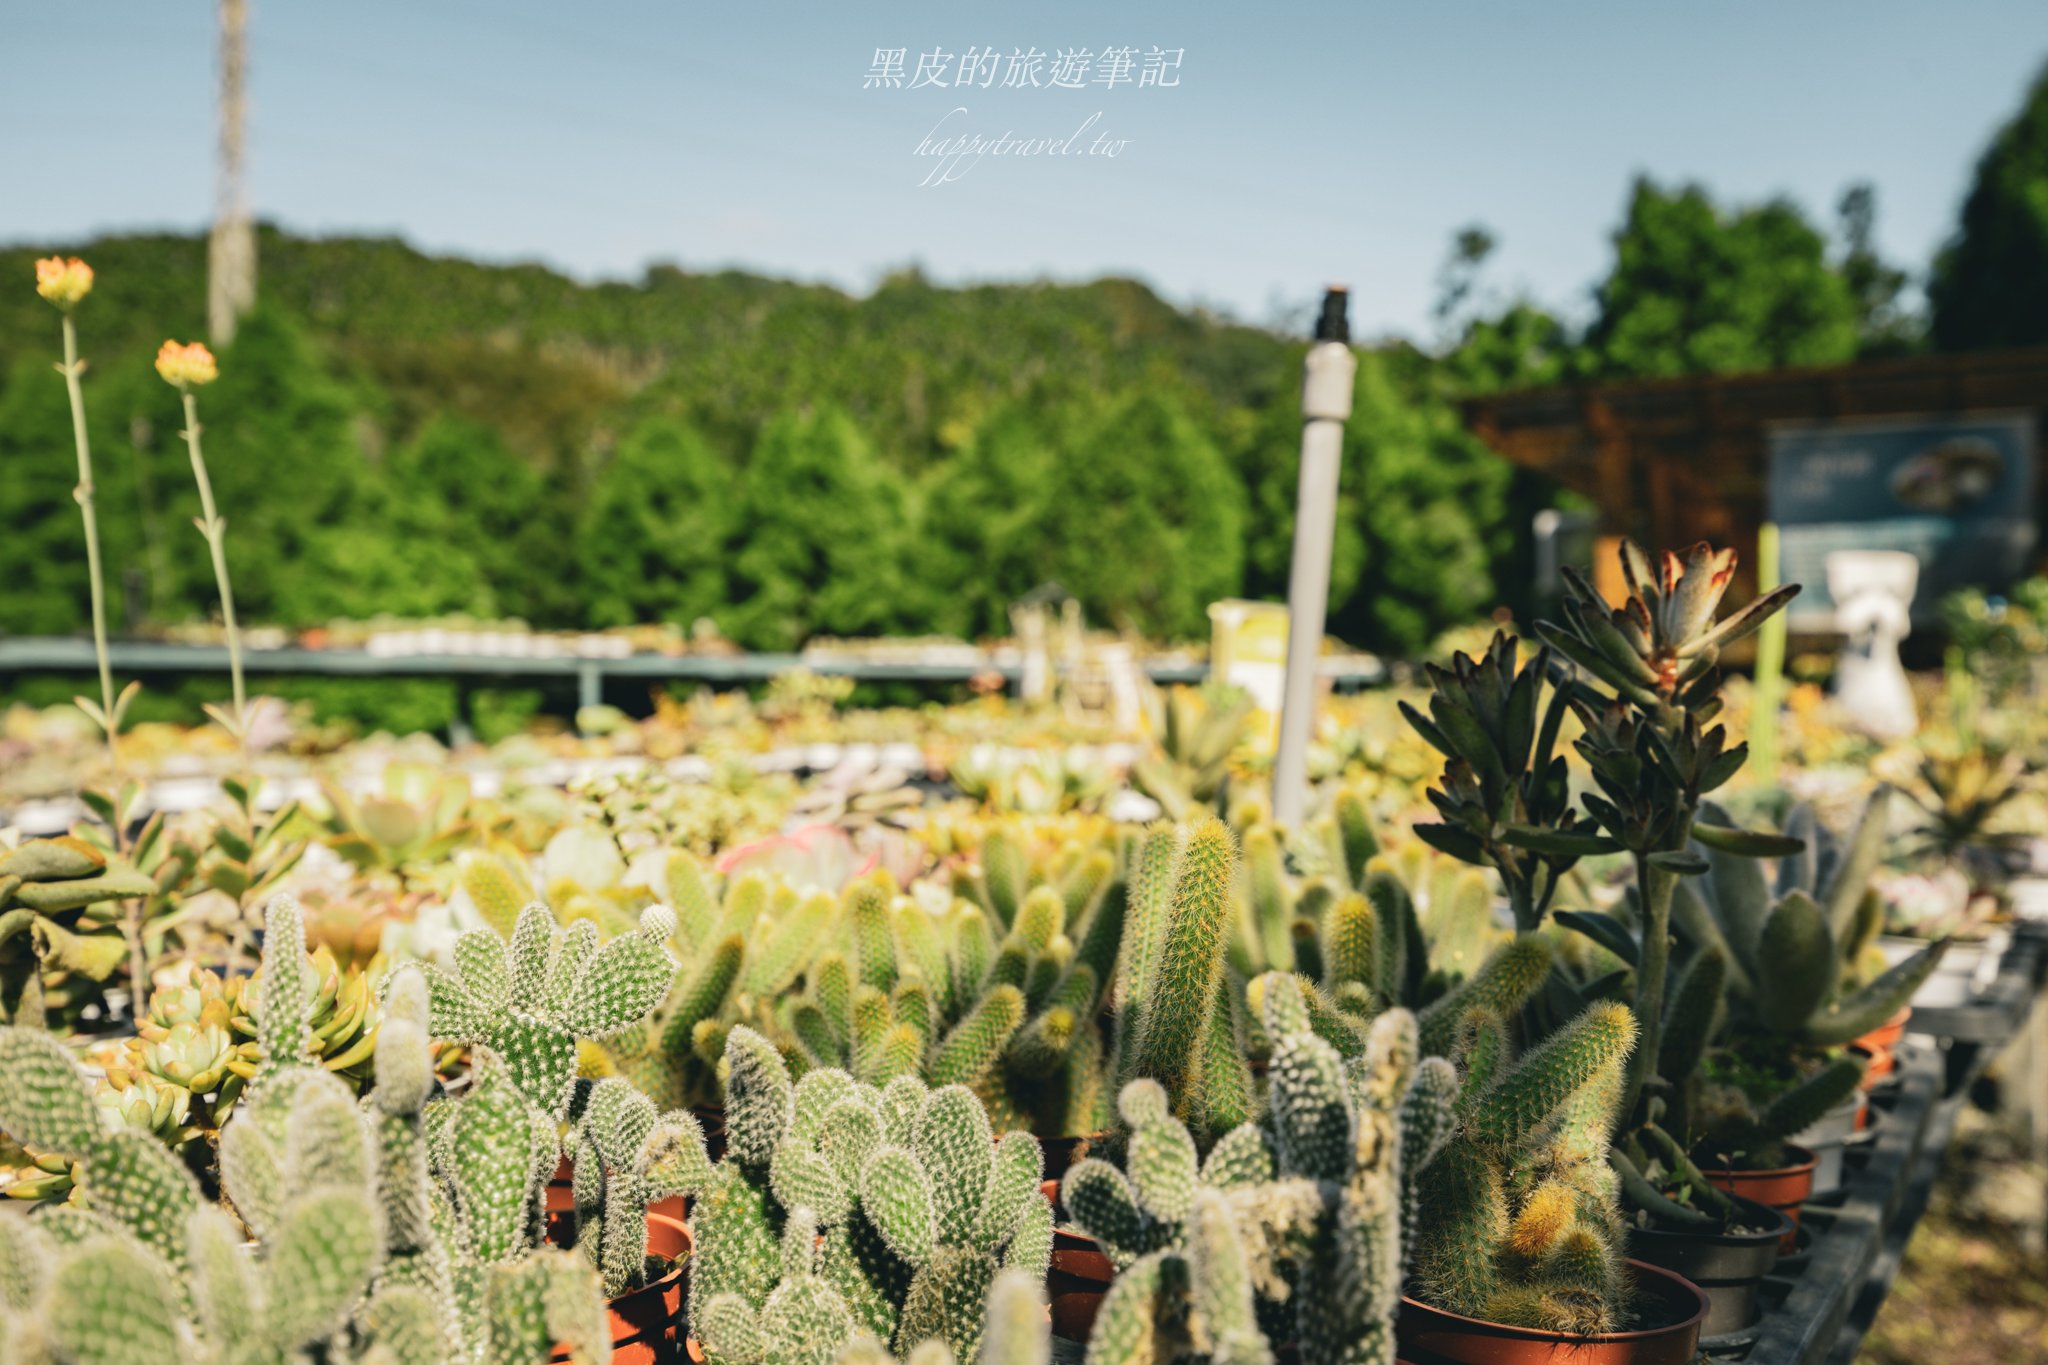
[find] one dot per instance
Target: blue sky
(1305, 143)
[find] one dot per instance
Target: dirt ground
(1974, 1287)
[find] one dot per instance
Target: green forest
(400, 434)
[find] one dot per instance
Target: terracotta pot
(1063, 1152)
(647, 1323)
(1672, 1303)
(1728, 1267)
(1886, 1036)
(1878, 1063)
(1080, 1275)
(1784, 1188)
(558, 1206)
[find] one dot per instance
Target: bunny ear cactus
(1297, 1229)
(917, 1205)
(530, 1002)
(626, 1157)
(129, 1177)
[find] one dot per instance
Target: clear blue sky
(1305, 143)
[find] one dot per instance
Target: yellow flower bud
(186, 366)
(63, 282)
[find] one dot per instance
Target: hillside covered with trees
(415, 436)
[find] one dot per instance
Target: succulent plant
(1779, 978)
(1200, 730)
(1174, 937)
(626, 1156)
(530, 1002)
(144, 1269)
(1295, 1231)
(1524, 1221)
(418, 814)
(1504, 797)
(1016, 1330)
(842, 1208)
(61, 934)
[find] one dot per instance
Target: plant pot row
(1692, 1285)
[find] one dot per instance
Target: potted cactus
(1520, 1253)
(1291, 1234)
(334, 1226)
(523, 1008)
(842, 1210)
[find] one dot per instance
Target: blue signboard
(1957, 493)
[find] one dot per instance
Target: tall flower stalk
(65, 283)
(186, 368)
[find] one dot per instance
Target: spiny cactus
(917, 1204)
(625, 1157)
(1178, 995)
(347, 1252)
(1296, 1231)
(530, 1002)
(1523, 1218)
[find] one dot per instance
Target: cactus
(917, 1205)
(339, 1198)
(530, 1002)
(1178, 998)
(1300, 1232)
(1524, 1216)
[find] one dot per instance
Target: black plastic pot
(1728, 1267)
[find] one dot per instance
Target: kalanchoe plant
(1504, 798)
(1650, 741)
(61, 936)
(841, 1209)
(1294, 1231)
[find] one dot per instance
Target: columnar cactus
(1175, 1006)
(918, 1207)
(1524, 1221)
